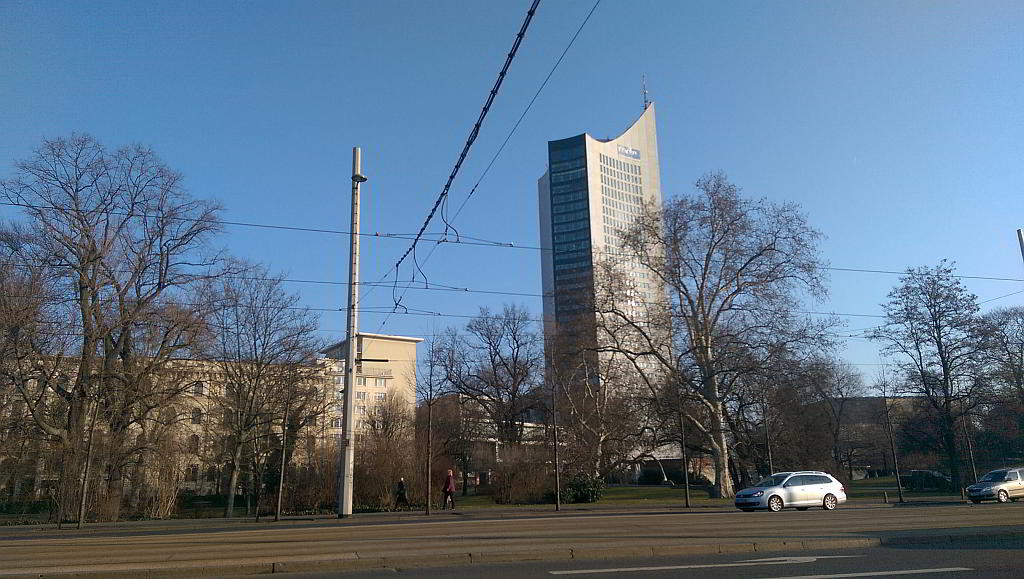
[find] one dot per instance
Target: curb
(357, 562)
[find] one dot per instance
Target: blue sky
(898, 126)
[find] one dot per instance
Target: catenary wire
(473, 133)
(475, 241)
(526, 110)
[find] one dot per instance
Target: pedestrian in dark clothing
(401, 496)
(448, 491)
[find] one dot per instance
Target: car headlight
(758, 494)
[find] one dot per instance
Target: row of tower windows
(560, 166)
(575, 235)
(566, 207)
(627, 177)
(621, 186)
(574, 226)
(572, 175)
(620, 165)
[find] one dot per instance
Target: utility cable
(472, 134)
(526, 110)
(476, 241)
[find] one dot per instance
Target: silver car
(801, 490)
(1005, 484)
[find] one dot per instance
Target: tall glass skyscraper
(593, 189)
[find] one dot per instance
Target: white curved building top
(593, 189)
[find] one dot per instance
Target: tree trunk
(115, 492)
(952, 451)
(430, 452)
(720, 454)
(685, 461)
(233, 480)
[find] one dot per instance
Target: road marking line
(878, 573)
(749, 563)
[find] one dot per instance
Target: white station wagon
(800, 490)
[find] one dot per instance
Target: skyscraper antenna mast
(647, 101)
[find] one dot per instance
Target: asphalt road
(475, 538)
(990, 559)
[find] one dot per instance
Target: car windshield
(994, 476)
(772, 481)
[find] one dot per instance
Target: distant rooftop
(337, 350)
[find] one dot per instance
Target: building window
(360, 395)
(381, 396)
(197, 416)
(192, 475)
(361, 381)
(381, 382)
(362, 410)
(198, 389)
(336, 423)
(193, 444)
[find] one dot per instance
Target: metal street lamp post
(348, 426)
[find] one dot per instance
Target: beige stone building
(385, 366)
(188, 432)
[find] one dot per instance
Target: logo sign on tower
(629, 152)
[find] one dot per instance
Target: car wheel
(1002, 497)
(976, 501)
(829, 502)
(802, 508)
(775, 504)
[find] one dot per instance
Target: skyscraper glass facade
(594, 189)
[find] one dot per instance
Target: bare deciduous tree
(265, 351)
(604, 407)
(1005, 329)
(734, 270)
(431, 387)
(385, 452)
(128, 247)
(497, 363)
(933, 331)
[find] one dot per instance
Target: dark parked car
(923, 480)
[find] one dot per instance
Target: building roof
(383, 337)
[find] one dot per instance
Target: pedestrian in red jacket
(448, 491)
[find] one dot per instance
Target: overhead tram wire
(526, 110)
(462, 289)
(494, 158)
(481, 242)
(377, 234)
(442, 197)
(473, 133)
(387, 309)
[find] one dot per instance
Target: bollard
(885, 497)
